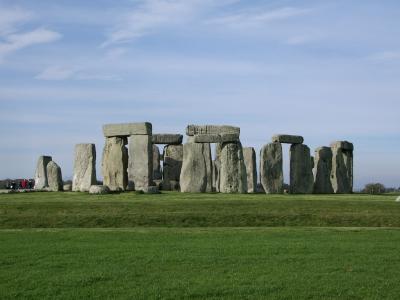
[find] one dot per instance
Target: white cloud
(67, 73)
(11, 17)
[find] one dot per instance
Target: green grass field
(199, 246)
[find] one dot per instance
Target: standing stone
(271, 168)
(41, 172)
(249, 156)
(115, 163)
(156, 163)
(217, 167)
(322, 171)
(208, 161)
(173, 157)
(342, 167)
(301, 176)
(54, 177)
(84, 167)
(140, 163)
(233, 176)
(194, 173)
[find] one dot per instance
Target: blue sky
(328, 70)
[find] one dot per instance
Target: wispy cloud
(68, 73)
(11, 17)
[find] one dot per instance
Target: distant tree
(374, 188)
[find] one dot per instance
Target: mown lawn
(200, 263)
(74, 210)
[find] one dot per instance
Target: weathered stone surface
(233, 176)
(99, 189)
(67, 187)
(342, 167)
(140, 163)
(157, 175)
(271, 168)
(216, 167)
(84, 167)
(249, 156)
(194, 173)
(211, 129)
(115, 163)
(153, 189)
(54, 177)
(322, 171)
(173, 157)
(216, 138)
(41, 172)
(288, 139)
(208, 160)
(127, 129)
(166, 138)
(301, 176)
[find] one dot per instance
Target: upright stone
(301, 176)
(208, 161)
(54, 177)
(271, 168)
(41, 172)
(322, 171)
(115, 163)
(216, 165)
(84, 167)
(249, 156)
(173, 157)
(233, 176)
(342, 167)
(140, 163)
(194, 173)
(157, 175)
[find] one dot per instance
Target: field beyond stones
(175, 245)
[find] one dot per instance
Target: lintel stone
(168, 139)
(211, 129)
(127, 129)
(287, 139)
(216, 138)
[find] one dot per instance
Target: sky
(326, 70)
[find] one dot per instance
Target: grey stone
(233, 176)
(153, 189)
(301, 176)
(127, 129)
(216, 165)
(157, 175)
(115, 163)
(140, 163)
(211, 129)
(54, 177)
(194, 173)
(166, 138)
(173, 157)
(271, 168)
(67, 187)
(84, 167)
(288, 139)
(99, 190)
(216, 138)
(41, 172)
(342, 167)
(322, 171)
(249, 156)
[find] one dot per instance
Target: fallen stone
(99, 190)
(233, 176)
(54, 177)
(288, 139)
(157, 175)
(249, 156)
(342, 167)
(140, 162)
(172, 166)
(84, 167)
(41, 172)
(216, 138)
(168, 139)
(322, 171)
(67, 187)
(211, 129)
(127, 129)
(150, 189)
(115, 163)
(301, 176)
(271, 168)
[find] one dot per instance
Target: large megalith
(301, 176)
(41, 180)
(271, 168)
(342, 167)
(216, 167)
(322, 171)
(157, 175)
(173, 157)
(84, 167)
(233, 176)
(115, 163)
(140, 162)
(194, 173)
(54, 177)
(249, 156)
